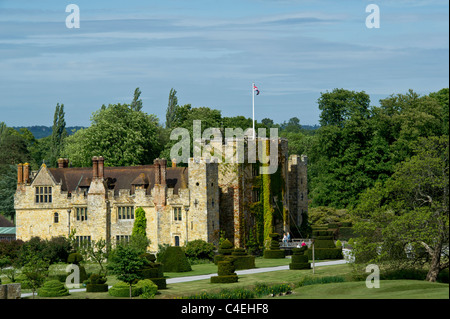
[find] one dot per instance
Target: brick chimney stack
(63, 162)
(163, 169)
(26, 173)
(157, 166)
(100, 167)
(174, 162)
(20, 173)
(94, 167)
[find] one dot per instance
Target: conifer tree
(59, 133)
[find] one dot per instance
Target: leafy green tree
(140, 222)
(172, 108)
(59, 133)
(409, 214)
(126, 263)
(136, 104)
(35, 272)
(123, 136)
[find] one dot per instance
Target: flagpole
(253, 108)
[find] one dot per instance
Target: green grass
(389, 289)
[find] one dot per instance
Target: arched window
(56, 218)
(177, 241)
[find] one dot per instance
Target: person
(303, 243)
(288, 237)
(284, 239)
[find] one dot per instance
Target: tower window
(177, 214)
(56, 218)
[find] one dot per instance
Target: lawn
(389, 289)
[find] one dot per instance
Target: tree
(136, 104)
(126, 263)
(140, 222)
(340, 105)
(122, 135)
(172, 107)
(59, 133)
(35, 271)
(98, 251)
(409, 214)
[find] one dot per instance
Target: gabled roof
(116, 178)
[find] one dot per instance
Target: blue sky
(211, 52)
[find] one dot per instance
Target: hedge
(96, 283)
(299, 260)
(143, 287)
(274, 250)
(175, 260)
(53, 288)
(154, 271)
(225, 272)
(326, 253)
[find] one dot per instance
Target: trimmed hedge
(274, 250)
(122, 289)
(154, 271)
(241, 259)
(225, 272)
(96, 283)
(175, 260)
(53, 288)
(299, 259)
(324, 247)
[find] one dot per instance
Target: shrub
(122, 289)
(96, 283)
(147, 288)
(324, 247)
(306, 281)
(274, 250)
(299, 260)
(75, 258)
(174, 260)
(225, 272)
(53, 288)
(199, 249)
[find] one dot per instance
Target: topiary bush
(299, 260)
(242, 259)
(153, 271)
(225, 271)
(53, 288)
(174, 260)
(147, 288)
(96, 283)
(324, 247)
(274, 250)
(122, 289)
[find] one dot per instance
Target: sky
(210, 52)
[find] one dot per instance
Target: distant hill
(40, 131)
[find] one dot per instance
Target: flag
(256, 89)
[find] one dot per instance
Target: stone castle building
(181, 203)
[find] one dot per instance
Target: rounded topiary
(75, 258)
(53, 288)
(175, 260)
(146, 288)
(96, 283)
(122, 289)
(242, 259)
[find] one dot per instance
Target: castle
(181, 203)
